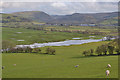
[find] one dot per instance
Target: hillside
(6, 18)
(76, 18)
(34, 15)
(13, 21)
(111, 21)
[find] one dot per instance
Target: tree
(117, 50)
(12, 50)
(28, 50)
(84, 53)
(104, 49)
(110, 49)
(20, 50)
(37, 50)
(91, 52)
(53, 51)
(6, 45)
(50, 51)
(98, 51)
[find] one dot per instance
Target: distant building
(84, 24)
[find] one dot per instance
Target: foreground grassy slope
(61, 65)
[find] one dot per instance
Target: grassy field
(36, 36)
(61, 65)
(104, 29)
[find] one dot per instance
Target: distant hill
(6, 18)
(34, 15)
(111, 21)
(76, 18)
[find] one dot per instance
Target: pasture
(29, 36)
(61, 65)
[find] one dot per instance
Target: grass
(105, 29)
(36, 36)
(61, 65)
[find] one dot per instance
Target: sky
(62, 7)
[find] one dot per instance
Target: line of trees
(10, 47)
(49, 50)
(102, 50)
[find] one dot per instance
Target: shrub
(37, 50)
(50, 51)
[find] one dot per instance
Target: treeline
(10, 47)
(49, 50)
(102, 51)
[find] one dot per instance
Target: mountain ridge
(75, 18)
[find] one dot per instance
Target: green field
(36, 36)
(61, 65)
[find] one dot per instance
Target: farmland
(29, 27)
(61, 65)
(30, 36)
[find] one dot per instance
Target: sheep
(0, 79)
(14, 64)
(108, 66)
(107, 72)
(76, 65)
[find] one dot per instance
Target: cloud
(61, 0)
(61, 8)
(58, 5)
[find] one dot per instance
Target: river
(61, 43)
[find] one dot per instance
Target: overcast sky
(60, 8)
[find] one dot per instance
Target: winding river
(61, 43)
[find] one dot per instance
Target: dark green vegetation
(111, 48)
(61, 65)
(9, 48)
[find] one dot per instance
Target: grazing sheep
(14, 64)
(107, 72)
(76, 65)
(0, 79)
(109, 66)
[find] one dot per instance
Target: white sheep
(107, 72)
(14, 64)
(109, 66)
(0, 79)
